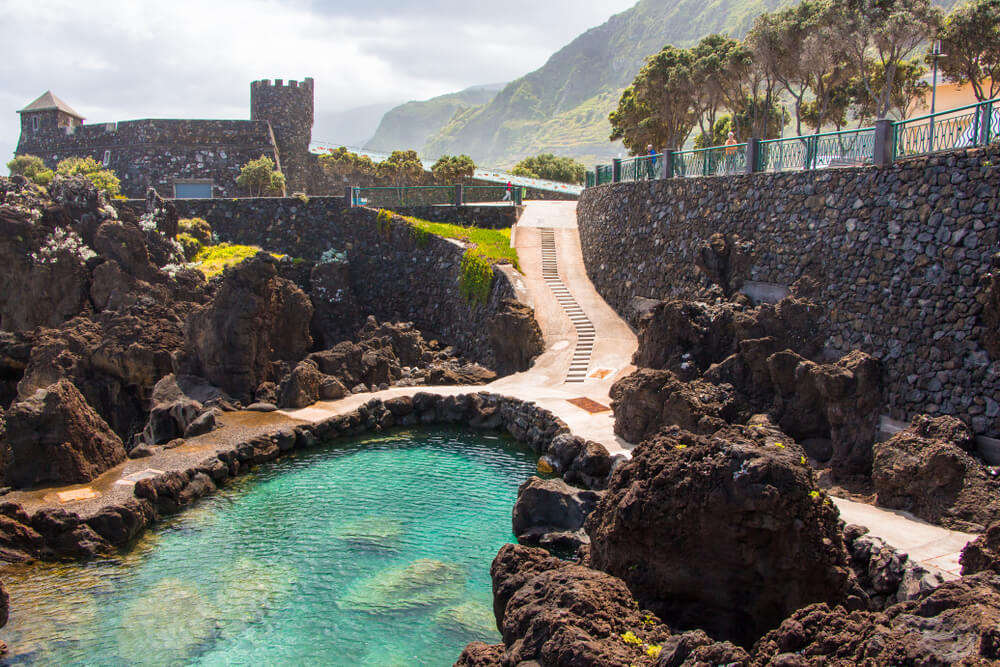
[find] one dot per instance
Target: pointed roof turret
(49, 101)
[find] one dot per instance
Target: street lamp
(935, 54)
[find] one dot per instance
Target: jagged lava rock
(983, 553)
(56, 437)
(727, 532)
(925, 469)
(551, 513)
(256, 318)
(515, 337)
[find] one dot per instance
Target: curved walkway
(579, 396)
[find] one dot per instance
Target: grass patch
(493, 245)
(213, 260)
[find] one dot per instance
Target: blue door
(193, 190)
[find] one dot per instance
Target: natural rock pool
(370, 551)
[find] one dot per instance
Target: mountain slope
(563, 107)
(409, 125)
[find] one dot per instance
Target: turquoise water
(373, 551)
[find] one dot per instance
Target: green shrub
(476, 278)
(197, 228)
(384, 221)
(103, 179)
(420, 237)
(190, 245)
(213, 260)
(32, 168)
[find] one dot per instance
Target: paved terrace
(552, 383)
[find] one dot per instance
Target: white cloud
(122, 59)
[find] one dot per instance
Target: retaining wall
(394, 274)
(899, 254)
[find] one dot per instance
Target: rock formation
(551, 513)
(256, 319)
(56, 437)
(926, 469)
(515, 337)
(725, 260)
(990, 298)
(983, 553)
(727, 533)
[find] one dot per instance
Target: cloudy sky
(124, 59)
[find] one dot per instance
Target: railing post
(884, 138)
(668, 163)
(518, 195)
(459, 194)
(753, 155)
(984, 132)
(616, 170)
(349, 197)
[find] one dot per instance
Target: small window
(107, 158)
(193, 190)
(34, 123)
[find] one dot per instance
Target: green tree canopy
(660, 107)
(880, 35)
(908, 88)
(32, 168)
(551, 168)
(345, 163)
(970, 40)
(401, 168)
(451, 169)
(104, 179)
(259, 178)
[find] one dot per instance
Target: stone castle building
(183, 158)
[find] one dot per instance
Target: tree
(970, 40)
(718, 75)
(32, 168)
(878, 36)
(908, 89)
(345, 163)
(551, 168)
(260, 178)
(401, 168)
(452, 169)
(660, 107)
(103, 179)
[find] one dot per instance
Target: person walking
(731, 153)
(651, 152)
(508, 192)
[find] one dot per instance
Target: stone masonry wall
(394, 275)
(157, 153)
(899, 254)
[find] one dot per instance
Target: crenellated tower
(288, 107)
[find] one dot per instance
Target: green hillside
(409, 125)
(563, 107)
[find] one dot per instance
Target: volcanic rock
(515, 337)
(459, 374)
(56, 437)
(991, 309)
(926, 470)
(336, 316)
(727, 532)
(983, 553)
(256, 319)
(649, 399)
(956, 624)
(551, 513)
(725, 260)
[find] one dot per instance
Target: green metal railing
(591, 180)
(643, 168)
(964, 127)
(383, 197)
(848, 148)
(485, 194)
(605, 173)
(714, 161)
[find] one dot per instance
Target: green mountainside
(563, 107)
(409, 125)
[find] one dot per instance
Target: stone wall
(899, 255)
(158, 153)
(394, 275)
(488, 217)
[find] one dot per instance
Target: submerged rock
(166, 624)
(468, 619)
(378, 532)
(422, 583)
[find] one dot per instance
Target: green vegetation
(401, 168)
(411, 124)
(476, 278)
(32, 168)
(491, 244)
(829, 58)
(970, 40)
(196, 227)
(383, 219)
(552, 168)
(451, 169)
(104, 179)
(343, 162)
(213, 260)
(259, 178)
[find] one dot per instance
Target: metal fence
(435, 195)
(964, 127)
(714, 161)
